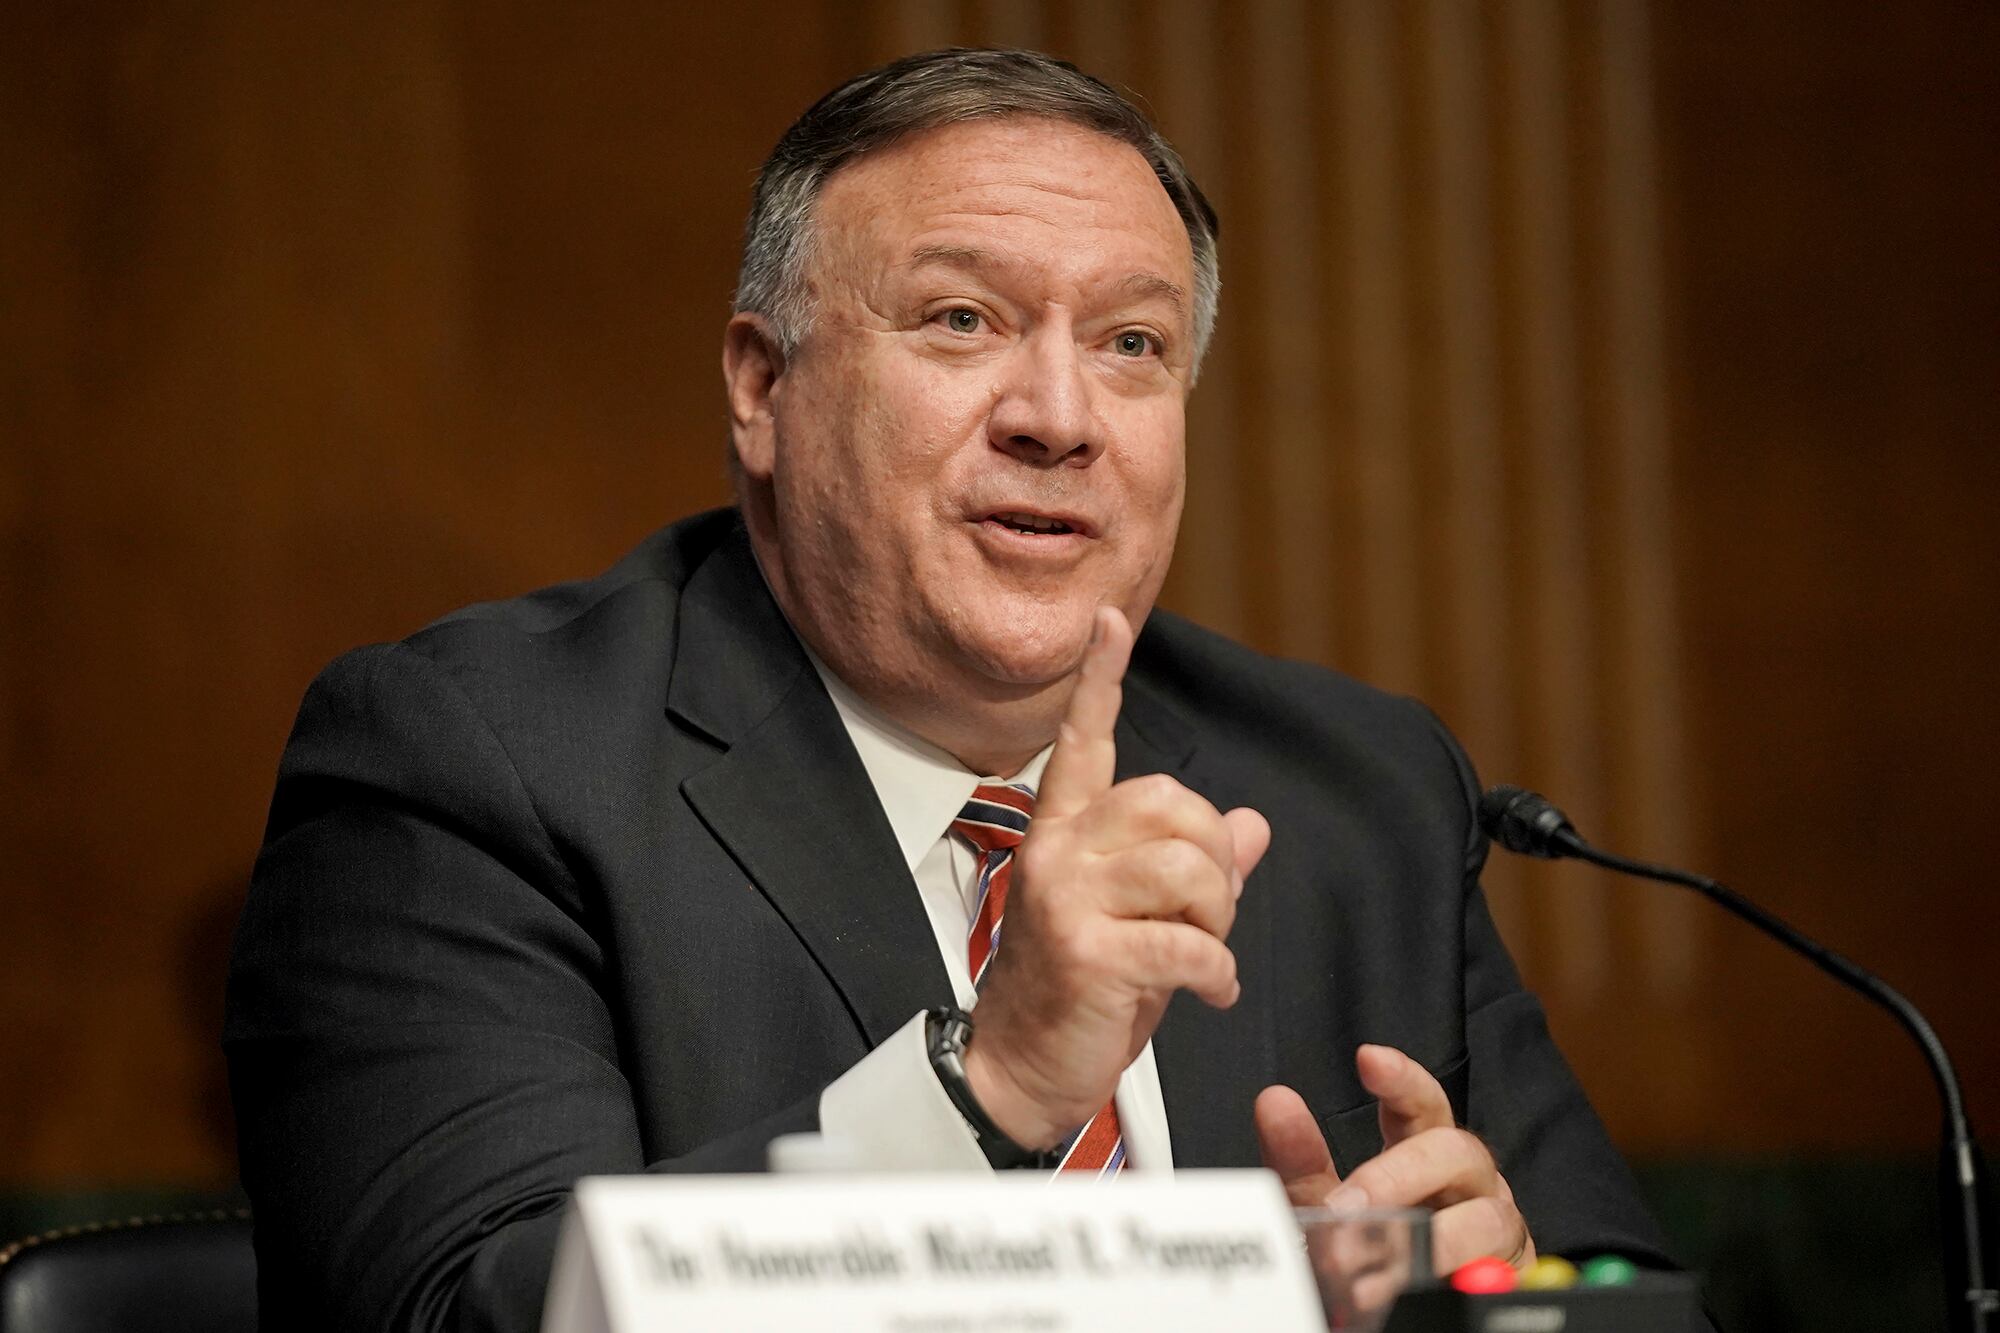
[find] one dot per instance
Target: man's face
(980, 440)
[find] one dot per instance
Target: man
(641, 873)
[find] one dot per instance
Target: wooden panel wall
(319, 320)
(1834, 236)
(1618, 377)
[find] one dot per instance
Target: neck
(989, 751)
(983, 753)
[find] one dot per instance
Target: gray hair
(922, 92)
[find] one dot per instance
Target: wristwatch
(947, 1032)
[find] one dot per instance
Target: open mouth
(1034, 525)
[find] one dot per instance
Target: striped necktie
(994, 821)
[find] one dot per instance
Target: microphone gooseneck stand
(1532, 825)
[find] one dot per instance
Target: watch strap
(947, 1032)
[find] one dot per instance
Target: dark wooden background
(318, 321)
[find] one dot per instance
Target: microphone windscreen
(1524, 822)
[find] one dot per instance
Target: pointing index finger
(1086, 756)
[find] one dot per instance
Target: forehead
(1051, 192)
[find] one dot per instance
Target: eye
(1132, 343)
(962, 320)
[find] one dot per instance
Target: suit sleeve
(422, 1055)
(1571, 1184)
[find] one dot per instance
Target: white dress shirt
(888, 1112)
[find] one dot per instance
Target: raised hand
(1121, 895)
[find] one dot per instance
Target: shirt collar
(921, 788)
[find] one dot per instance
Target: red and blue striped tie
(994, 821)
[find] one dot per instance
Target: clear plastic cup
(1364, 1258)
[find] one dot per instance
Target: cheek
(1157, 469)
(833, 456)
(872, 465)
(1155, 483)
(916, 421)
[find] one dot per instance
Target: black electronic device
(1648, 1303)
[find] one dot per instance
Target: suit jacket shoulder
(1297, 720)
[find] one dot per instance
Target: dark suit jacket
(593, 881)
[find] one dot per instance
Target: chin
(1029, 654)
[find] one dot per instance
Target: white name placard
(926, 1254)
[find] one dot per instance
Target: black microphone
(1527, 822)
(1532, 825)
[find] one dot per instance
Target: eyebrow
(977, 260)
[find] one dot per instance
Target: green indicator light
(1608, 1270)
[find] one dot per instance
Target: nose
(1044, 414)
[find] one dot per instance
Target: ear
(752, 363)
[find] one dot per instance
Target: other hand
(1427, 1161)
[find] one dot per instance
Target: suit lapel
(1211, 1062)
(790, 800)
